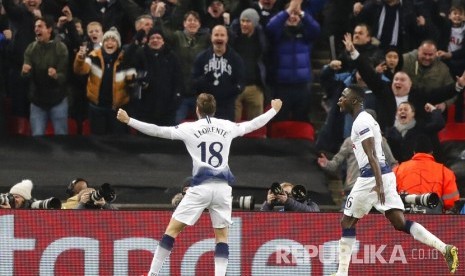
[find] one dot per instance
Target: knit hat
(251, 15)
(23, 189)
(156, 31)
(112, 33)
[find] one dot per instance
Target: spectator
(451, 49)
(287, 200)
(426, 71)
(86, 201)
(345, 157)
(249, 41)
(422, 174)
(187, 44)
(389, 96)
(45, 65)
(22, 16)
(142, 26)
(424, 68)
(71, 34)
(363, 42)
(220, 71)
(396, 23)
(73, 190)
(106, 84)
(392, 63)
(158, 100)
(95, 35)
(215, 15)
(112, 13)
(450, 43)
(406, 129)
(292, 32)
(266, 9)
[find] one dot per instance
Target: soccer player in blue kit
(208, 142)
(376, 186)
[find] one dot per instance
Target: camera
(105, 191)
(7, 198)
(244, 202)
(299, 193)
(139, 82)
(276, 188)
(430, 200)
(49, 203)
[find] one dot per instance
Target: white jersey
(208, 142)
(365, 126)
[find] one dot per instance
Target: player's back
(208, 141)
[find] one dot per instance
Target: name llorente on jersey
(211, 129)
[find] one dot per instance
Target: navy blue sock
(222, 250)
(348, 232)
(167, 242)
(408, 225)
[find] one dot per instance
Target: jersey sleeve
(363, 130)
(256, 123)
(152, 129)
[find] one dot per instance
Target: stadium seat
(72, 128)
(86, 127)
(292, 129)
(451, 113)
(19, 126)
(452, 132)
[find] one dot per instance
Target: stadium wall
(80, 242)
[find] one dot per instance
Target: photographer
(87, 201)
(72, 191)
(22, 196)
(179, 196)
(282, 195)
(422, 175)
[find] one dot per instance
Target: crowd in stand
(85, 59)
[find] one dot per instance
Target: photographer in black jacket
(289, 197)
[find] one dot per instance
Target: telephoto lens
(49, 203)
(244, 202)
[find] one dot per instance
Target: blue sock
(222, 250)
(348, 232)
(408, 225)
(167, 242)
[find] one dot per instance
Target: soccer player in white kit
(208, 141)
(376, 186)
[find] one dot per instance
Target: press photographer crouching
(179, 196)
(90, 198)
(423, 176)
(288, 197)
(20, 197)
(73, 189)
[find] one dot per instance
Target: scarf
(403, 128)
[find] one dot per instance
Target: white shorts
(361, 199)
(214, 196)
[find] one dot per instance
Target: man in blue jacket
(292, 33)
